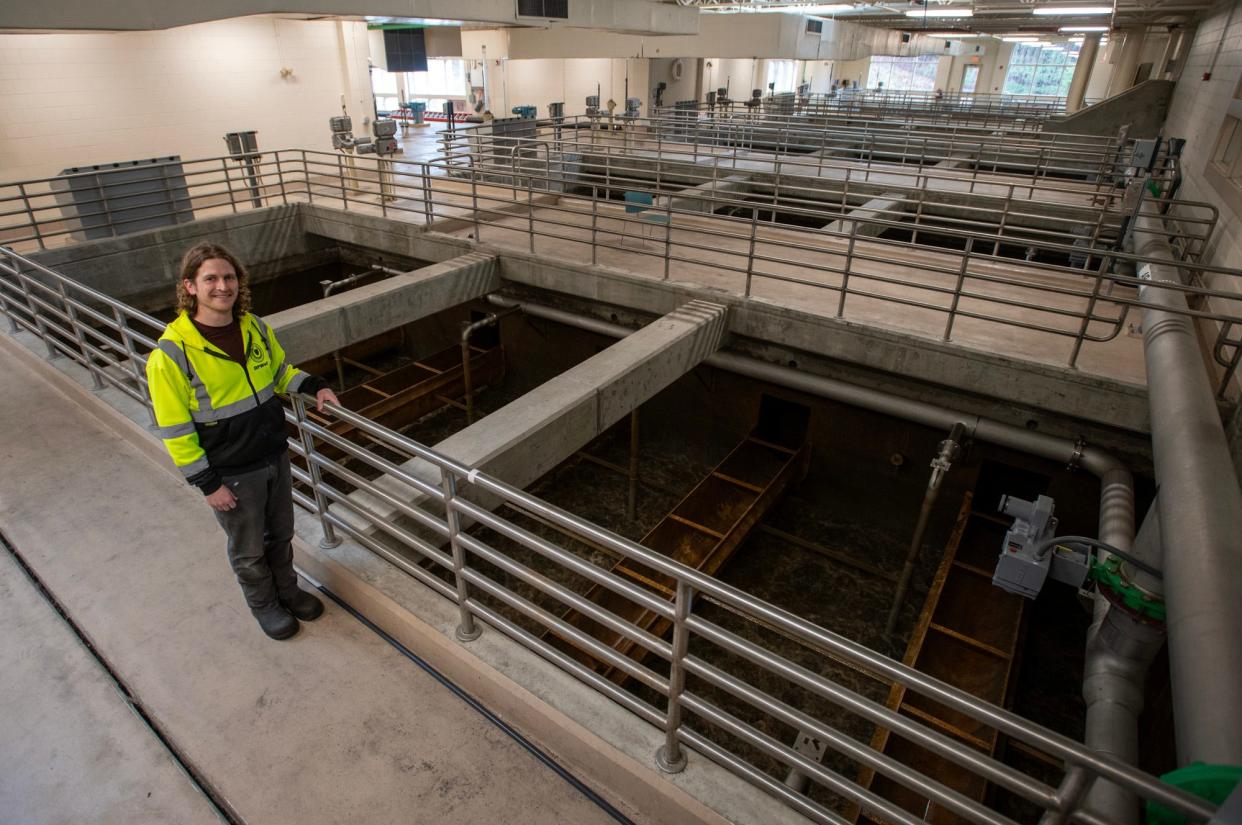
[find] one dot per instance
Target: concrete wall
(1143, 107)
(142, 269)
(687, 88)
(1197, 111)
(539, 82)
(81, 99)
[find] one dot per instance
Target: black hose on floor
(222, 808)
(525, 743)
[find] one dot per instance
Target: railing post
(750, 255)
(1105, 265)
(845, 270)
(72, 312)
(34, 223)
(34, 313)
(668, 231)
(340, 171)
(594, 222)
(306, 173)
(14, 327)
(670, 758)
(330, 538)
(280, 178)
(467, 630)
(428, 206)
(474, 200)
(530, 206)
(123, 328)
(957, 291)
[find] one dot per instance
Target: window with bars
(1041, 69)
(907, 74)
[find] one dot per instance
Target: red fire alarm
(1207, 75)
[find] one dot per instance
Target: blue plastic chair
(642, 204)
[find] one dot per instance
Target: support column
(1127, 64)
(1082, 72)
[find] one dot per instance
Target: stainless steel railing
(842, 269)
(690, 696)
(1022, 112)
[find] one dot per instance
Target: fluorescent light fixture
(950, 35)
(1083, 29)
(941, 12)
(1071, 11)
(809, 8)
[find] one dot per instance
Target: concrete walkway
(332, 726)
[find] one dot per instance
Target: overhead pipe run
(1200, 518)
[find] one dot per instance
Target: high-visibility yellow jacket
(215, 415)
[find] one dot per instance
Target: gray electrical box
(112, 199)
(1024, 566)
(1144, 153)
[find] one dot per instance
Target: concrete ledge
(319, 327)
(961, 370)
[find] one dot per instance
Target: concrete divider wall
(141, 269)
(1144, 107)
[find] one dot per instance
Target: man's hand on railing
(325, 395)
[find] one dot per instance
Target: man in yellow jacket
(214, 381)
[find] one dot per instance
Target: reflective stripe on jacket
(213, 413)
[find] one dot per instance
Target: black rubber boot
(276, 621)
(303, 605)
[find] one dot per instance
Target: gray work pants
(260, 529)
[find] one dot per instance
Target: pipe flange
(1115, 587)
(1075, 460)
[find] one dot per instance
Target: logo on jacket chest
(257, 356)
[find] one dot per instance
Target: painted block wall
(1197, 111)
(660, 70)
(539, 82)
(80, 99)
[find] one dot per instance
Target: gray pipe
(1120, 648)
(1200, 521)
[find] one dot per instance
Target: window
(781, 73)
(915, 74)
(1040, 69)
(443, 78)
(384, 85)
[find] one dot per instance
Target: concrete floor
(332, 726)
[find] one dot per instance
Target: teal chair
(642, 204)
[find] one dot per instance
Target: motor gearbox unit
(384, 128)
(1027, 559)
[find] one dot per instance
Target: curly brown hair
(194, 257)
